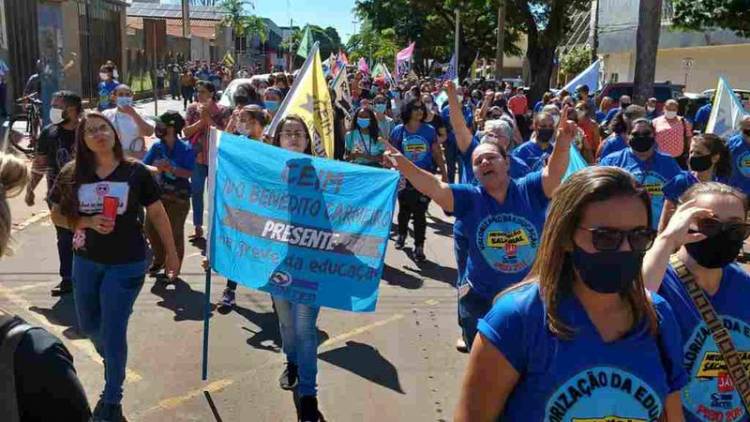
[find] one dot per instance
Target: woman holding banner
(298, 322)
(708, 292)
(580, 340)
(98, 196)
(502, 218)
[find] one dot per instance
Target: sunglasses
(606, 239)
(712, 226)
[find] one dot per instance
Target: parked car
(742, 94)
(227, 96)
(689, 104)
(663, 91)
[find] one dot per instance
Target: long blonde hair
(13, 178)
(553, 268)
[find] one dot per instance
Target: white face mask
(650, 109)
(115, 74)
(104, 76)
(670, 114)
(56, 115)
(242, 129)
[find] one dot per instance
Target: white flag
(340, 86)
(726, 112)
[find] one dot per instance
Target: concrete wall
(71, 48)
(200, 49)
(709, 63)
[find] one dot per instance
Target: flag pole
(456, 41)
(206, 315)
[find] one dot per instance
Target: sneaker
(308, 409)
(107, 412)
(419, 253)
(198, 234)
(154, 271)
(288, 378)
(65, 287)
(400, 241)
(227, 298)
(461, 345)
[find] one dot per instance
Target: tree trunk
(541, 63)
(500, 41)
(646, 47)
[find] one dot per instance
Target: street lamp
(687, 64)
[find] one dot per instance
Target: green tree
(241, 23)
(328, 39)
(380, 46)
(575, 61)
(694, 15)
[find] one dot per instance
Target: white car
(227, 97)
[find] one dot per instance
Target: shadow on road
(440, 226)
(268, 337)
(186, 303)
(431, 269)
(365, 361)
(396, 277)
(62, 313)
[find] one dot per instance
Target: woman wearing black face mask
(709, 161)
(709, 229)
(559, 346)
(650, 167)
(534, 151)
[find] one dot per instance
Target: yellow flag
(309, 99)
(228, 59)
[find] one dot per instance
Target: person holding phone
(110, 261)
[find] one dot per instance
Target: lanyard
(364, 144)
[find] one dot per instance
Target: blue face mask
(271, 105)
(363, 123)
(124, 101)
(380, 108)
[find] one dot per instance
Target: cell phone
(109, 207)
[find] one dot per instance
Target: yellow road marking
(27, 287)
(84, 345)
(175, 402)
(431, 302)
(357, 331)
(29, 221)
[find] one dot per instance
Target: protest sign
(303, 228)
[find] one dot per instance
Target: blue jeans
(299, 339)
(452, 161)
(104, 296)
(65, 252)
(471, 307)
(197, 186)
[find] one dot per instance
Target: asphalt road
(396, 364)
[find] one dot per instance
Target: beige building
(695, 59)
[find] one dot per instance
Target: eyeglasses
(735, 230)
(293, 134)
(607, 239)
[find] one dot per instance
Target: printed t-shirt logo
(604, 394)
(653, 183)
(710, 394)
(743, 163)
(415, 147)
(508, 242)
(91, 196)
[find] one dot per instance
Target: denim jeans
(104, 297)
(471, 307)
(197, 186)
(299, 338)
(452, 161)
(65, 252)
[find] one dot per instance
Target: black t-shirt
(57, 144)
(135, 187)
(47, 386)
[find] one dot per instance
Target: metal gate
(23, 41)
(100, 37)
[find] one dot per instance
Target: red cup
(109, 208)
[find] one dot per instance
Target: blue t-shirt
(503, 238)
(105, 89)
(674, 189)
(518, 168)
(614, 142)
(652, 174)
(701, 117)
(532, 154)
(740, 152)
(611, 114)
(599, 116)
(417, 146)
(710, 394)
(582, 378)
(538, 106)
(181, 156)
(445, 113)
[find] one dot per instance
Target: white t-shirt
(128, 130)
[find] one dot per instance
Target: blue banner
(307, 229)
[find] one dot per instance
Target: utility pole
(186, 18)
(646, 47)
(500, 41)
(595, 33)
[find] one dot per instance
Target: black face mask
(160, 132)
(642, 143)
(609, 271)
(624, 106)
(746, 132)
(700, 162)
(544, 135)
(716, 251)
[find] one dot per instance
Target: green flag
(305, 45)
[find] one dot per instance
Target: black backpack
(12, 331)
